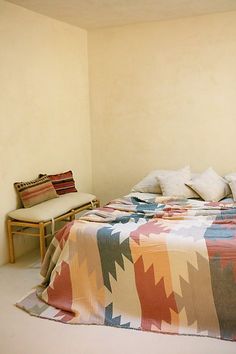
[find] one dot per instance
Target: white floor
(22, 334)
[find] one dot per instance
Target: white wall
(163, 95)
(44, 106)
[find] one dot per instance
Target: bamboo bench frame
(13, 226)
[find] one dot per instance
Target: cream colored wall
(163, 95)
(44, 105)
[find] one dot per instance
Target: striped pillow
(63, 182)
(36, 191)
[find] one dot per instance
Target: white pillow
(232, 185)
(210, 186)
(230, 177)
(175, 184)
(150, 183)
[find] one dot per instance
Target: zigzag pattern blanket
(164, 265)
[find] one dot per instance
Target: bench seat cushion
(52, 208)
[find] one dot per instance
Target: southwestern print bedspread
(164, 265)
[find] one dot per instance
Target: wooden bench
(34, 221)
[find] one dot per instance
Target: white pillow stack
(182, 183)
(167, 182)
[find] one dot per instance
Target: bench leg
(72, 217)
(10, 242)
(42, 240)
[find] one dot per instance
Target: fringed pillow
(63, 182)
(35, 191)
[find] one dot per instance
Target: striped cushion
(63, 182)
(36, 191)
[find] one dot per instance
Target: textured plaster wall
(162, 96)
(44, 106)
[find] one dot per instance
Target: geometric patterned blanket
(166, 265)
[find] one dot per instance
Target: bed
(144, 262)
